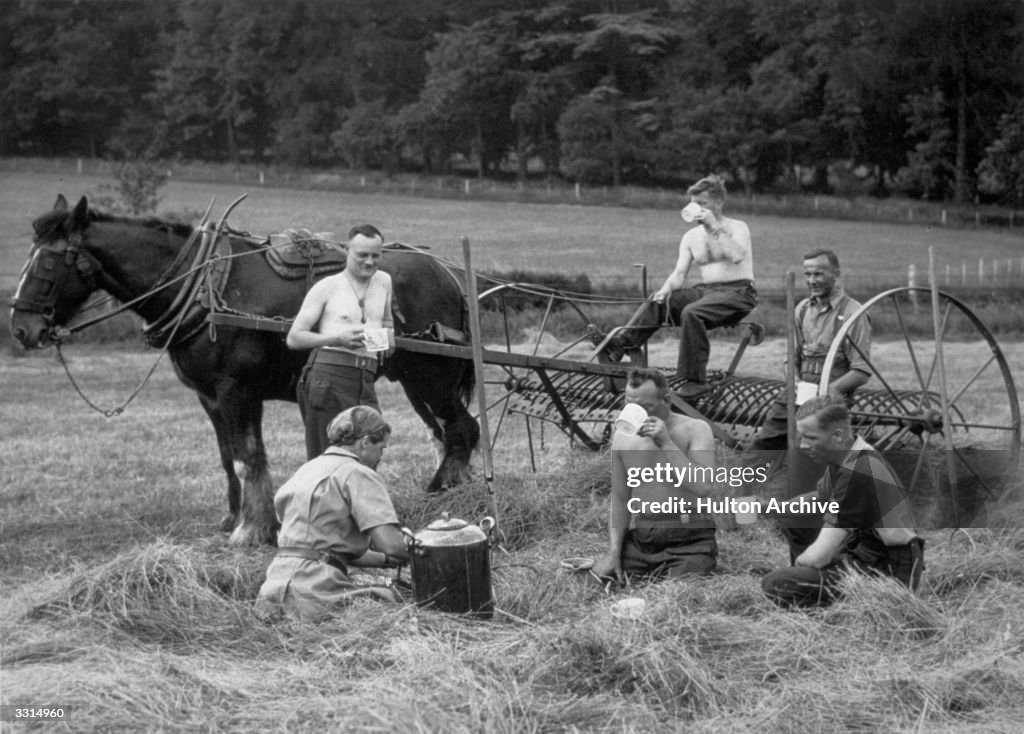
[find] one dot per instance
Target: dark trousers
(802, 586)
(669, 552)
(701, 308)
(324, 390)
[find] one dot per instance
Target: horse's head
(57, 278)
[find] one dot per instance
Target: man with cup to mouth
(654, 526)
(720, 247)
(345, 320)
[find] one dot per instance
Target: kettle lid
(450, 530)
(447, 522)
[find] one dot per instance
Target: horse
(143, 263)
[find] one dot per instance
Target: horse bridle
(52, 265)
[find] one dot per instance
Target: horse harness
(43, 265)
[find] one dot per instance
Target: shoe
(693, 390)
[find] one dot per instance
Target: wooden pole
(478, 370)
(947, 429)
(792, 444)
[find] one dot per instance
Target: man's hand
(661, 294)
(609, 566)
(708, 219)
(350, 338)
(655, 429)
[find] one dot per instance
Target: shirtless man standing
(663, 541)
(720, 246)
(332, 322)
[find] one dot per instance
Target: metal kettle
(451, 566)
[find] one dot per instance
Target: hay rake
(899, 410)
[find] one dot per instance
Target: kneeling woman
(335, 512)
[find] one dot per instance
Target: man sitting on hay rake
(720, 247)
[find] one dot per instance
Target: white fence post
(981, 269)
(912, 283)
(467, 187)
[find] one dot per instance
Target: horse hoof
(228, 524)
(249, 535)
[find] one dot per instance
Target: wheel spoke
(568, 347)
(505, 397)
(529, 440)
(988, 490)
(543, 323)
(878, 374)
(910, 348)
(501, 420)
(970, 382)
(920, 461)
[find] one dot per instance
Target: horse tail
(467, 383)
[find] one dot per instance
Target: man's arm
(303, 334)
(677, 278)
(618, 521)
(857, 349)
(824, 549)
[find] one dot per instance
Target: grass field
(123, 605)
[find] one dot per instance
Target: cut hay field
(124, 606)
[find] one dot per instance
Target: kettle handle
(487, 525)
(411, 541)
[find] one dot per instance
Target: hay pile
(167, 594)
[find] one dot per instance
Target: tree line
(920, 97)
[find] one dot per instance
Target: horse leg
(461, 435)
(434, 430)
(227, 461)
(242, 413)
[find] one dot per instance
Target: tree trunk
(232, 144)
(616, 156)
(962, 193)
(479, 149)
(521, 153)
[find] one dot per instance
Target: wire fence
(551, 191)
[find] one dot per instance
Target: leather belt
(331, 559)
(345, 359)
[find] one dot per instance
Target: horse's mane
(57, 223)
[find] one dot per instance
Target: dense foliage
(919, 96)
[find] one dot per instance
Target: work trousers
(701, 308)
(669, 552)
(802, 586)
(324, 390)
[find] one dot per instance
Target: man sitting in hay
(867, 527)
(655, 527)
(335, 512)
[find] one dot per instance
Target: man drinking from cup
(720, 247)
(654, 527)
